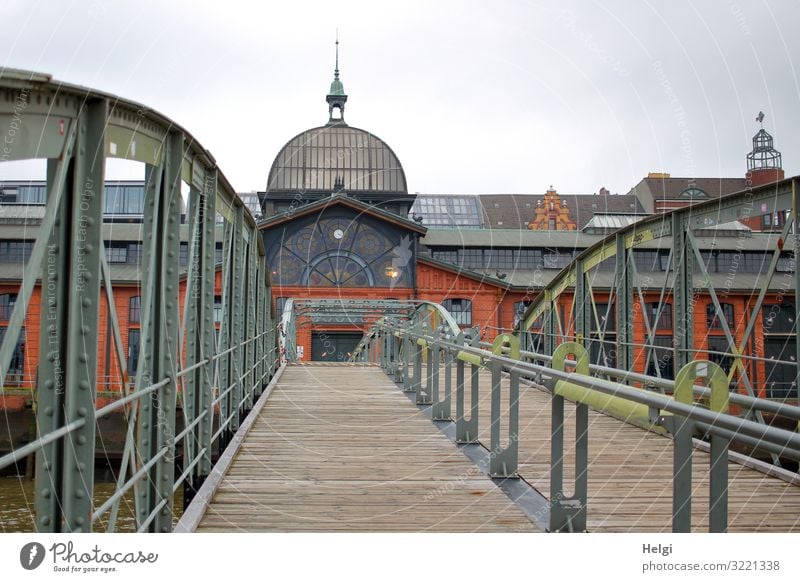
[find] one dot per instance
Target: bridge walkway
(339, 448)
(630, 472)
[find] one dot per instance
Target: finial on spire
(336, 70)
(336, 97)
(759, 117)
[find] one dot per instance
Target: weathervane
(760, 118)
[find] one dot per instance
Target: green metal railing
(188, 372)
(416, 358)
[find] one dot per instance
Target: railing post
(569, 513)
(398, 357)
(683, 429)
(504, 460)
(467, 428)
(408, 346)
(623, 278)
(416, 379)
(442, 408)
(424, 393)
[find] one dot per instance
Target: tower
(336, 97)
(764, 161)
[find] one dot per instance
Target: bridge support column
(67, 380)
(683, 291)
(160, 336)
(200, 331)
(623, 280)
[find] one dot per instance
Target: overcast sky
(474, 97)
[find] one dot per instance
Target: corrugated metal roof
(611, 221)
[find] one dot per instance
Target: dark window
(7, 302)
(15, 251)
(604, 323)
(779, 318)
(117, 253)
(786, 264)
(712, 317)
(17, 364)
(134, 253)
(217, 308)
(184, 254)
(664, 355)
(780, 378)
(134, 344)
(664, 320)
(134, 309)
(124, 199)
(280, 303)
(603, 353)
(218, 252)
(555, 259)
(472, 258)
(720, 344)
(460, 309)
(647, 260)
(446, 256)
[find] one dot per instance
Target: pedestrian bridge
(427, 428)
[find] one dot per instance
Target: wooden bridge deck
(630, 473)
(339, 448)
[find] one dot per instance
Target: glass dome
(333, 158)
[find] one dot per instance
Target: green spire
(336, 97)
(336, 87)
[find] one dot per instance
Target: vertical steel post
(683, 291)
(623, 279)
(408, 344)
(569, 513)
(583, 305)
(160, 337)
(201, 332)
(69, 376)
(796, 248)
(52, 350)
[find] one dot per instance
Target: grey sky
(474, 97)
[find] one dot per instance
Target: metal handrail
(400, 348)
(763, 404)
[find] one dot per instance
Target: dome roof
(336, 157)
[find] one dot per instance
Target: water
(17, 515)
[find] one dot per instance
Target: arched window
(713, 319)
(280, 303)
(7, 302)
(460, 309)
(135, 310)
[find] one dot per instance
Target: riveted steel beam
(52, 349)
(160, 335)
(85, 202)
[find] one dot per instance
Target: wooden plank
(340, 448)
(630, 473)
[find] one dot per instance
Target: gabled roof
(342, 200)
(462, 272)
(663, 188)
(515, 210)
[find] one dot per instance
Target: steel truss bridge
(427, 428)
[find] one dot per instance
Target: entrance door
(333, 346)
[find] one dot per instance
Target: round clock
(338, 234)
